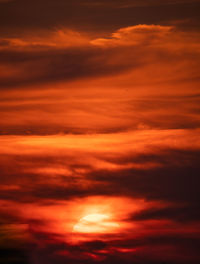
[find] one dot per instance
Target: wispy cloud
(99, 138)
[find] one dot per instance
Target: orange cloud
(103, 88)
(61, 38)
(135, 35)
(103, 129)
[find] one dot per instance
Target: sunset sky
(99, 131)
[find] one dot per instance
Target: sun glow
(96, 223)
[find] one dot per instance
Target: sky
(99, 131)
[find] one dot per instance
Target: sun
(95, 217)
(95, 223)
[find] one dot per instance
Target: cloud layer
(99, 106)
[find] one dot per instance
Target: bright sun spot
(95, 217)
(95, 223)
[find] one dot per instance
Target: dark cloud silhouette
(13, 256)
(51, 66)
(174, 178)
(180, 214)
(93, 251)
(93, 14)
(172, 181)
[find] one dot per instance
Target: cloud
(67, 55)
(5, 1)
(170, 182)
(136, 35)
(155, 165)
(45, 62)
(116, 251)
(133, 3)
(89, 85)
(93, 15)
(99, 109)
(181, 214)
(61, 38)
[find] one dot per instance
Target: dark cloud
(176, 179)
(93, 14)
(13, 250)
(62, 65)
(13, 256)
(180, 214)
(175, 249)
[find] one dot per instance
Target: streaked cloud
(99, 138)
